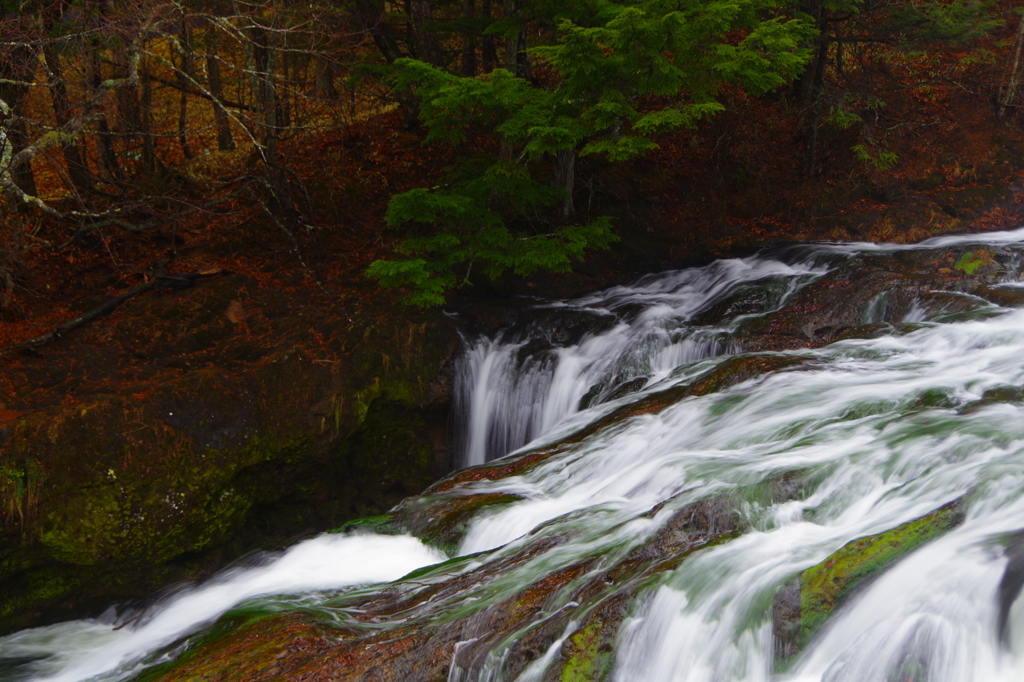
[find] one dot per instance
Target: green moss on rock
(587, 660)
(806, 603)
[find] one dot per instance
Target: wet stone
(995, 396)
(443, 521)
(824, 587)
(559, 327)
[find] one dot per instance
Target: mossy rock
(383, 524)
(973, 261)
(995, 396)
(133, 492)
(423, 647)
(245, 649)
(589, 654)
(443, 521)
(805, 603)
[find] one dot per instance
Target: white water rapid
(103, 649)
(508, 400)
(878, 431)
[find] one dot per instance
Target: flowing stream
(913, 405)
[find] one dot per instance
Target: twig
(162, 282)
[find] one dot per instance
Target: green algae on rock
(805, 603)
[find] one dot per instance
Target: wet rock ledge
(191, 427)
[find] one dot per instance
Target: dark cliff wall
(193, 427)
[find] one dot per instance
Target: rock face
(875, 294)
(193, 427)
(805, 603)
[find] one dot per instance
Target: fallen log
(158, 283)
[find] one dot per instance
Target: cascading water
(620, 341)
(667, 493)
(110, 647)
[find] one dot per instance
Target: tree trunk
(411, 44)
(812, 120)
(107, 152)
(488, 53)
(265, 57)
(225, 141)
(516, 59)
(809, 82)
(284, 100)
(427, 41)
(323, 79)
(469, 38)
(565, 178)
(371, 17)
(1008, 92)
(146, 120)
(20, 67)
(78, 171)
(129, 114)
(22, 172)
(185, 76)
(810, 86)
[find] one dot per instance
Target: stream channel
(802, 465)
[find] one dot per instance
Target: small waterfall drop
(519, 385)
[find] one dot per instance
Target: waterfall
(657, 493)
(627, 338)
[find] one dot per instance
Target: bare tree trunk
(371, 16)
(469, 38)
(129, 113)
(808, 84)
(811, 84)
(426, 36)
(78, 171)
(19, 66)
(284, 100)
(107, 152)
(1008, 92)
(146, 121)
(185, 76)
(225, 141)
(265, 57)
(323, 80)
(410, 33)
(812, 121)
(565, 178)
(516, 59)
(21, 173)
(488, 53)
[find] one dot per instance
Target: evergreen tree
(615, 75)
